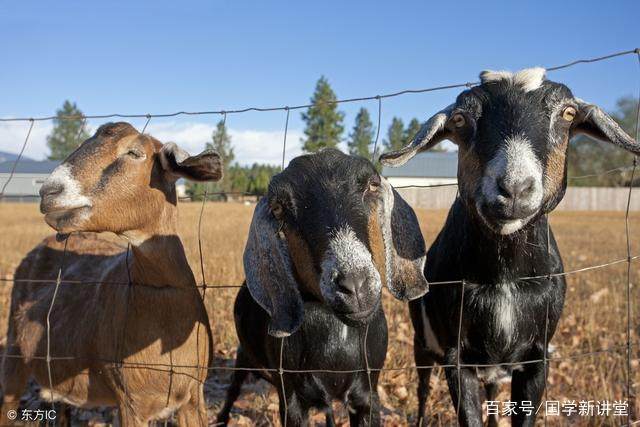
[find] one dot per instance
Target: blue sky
(157, 57)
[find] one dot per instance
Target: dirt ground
(594, 317)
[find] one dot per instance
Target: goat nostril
(503, 188)
(527, 187)
(350, 284)
(51, 189)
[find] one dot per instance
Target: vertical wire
(281, 373)
(462, 283)
(204, 279)
(15, 164)
(53, 299)
(375, 142)
(366, 363)
(284, 142)
(631, 404)
(545, 355)
(82, 127)
(144, 128)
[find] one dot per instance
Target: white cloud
(250, 145)
(13, 134)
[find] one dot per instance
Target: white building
(28, 177)
(428, 168)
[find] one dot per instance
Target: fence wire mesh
(625, 350)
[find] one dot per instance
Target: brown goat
(135, 333)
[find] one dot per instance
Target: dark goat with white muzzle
(512, 133)
(322, 243)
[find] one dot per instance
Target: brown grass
(594, 316)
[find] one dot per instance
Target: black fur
(318, 195)
(317, 345)
(466, 250)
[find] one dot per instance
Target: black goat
(512, 133)
(329, 233)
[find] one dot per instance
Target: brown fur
(555, 169)
(303, 263)
(376, 241)
(140, 338)
(469, 172)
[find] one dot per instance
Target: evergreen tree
(361, 138)
(67, 134)
(395, 135)
(323, 120)
(221, 143)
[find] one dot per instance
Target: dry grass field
(594, 317)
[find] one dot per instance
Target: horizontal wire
(301, 106)
(200, 286)
(121, 363)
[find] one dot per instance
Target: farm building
(27, 178)
(428, 168)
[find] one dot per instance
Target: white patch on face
(347, 253)
(514, 163)
(528, 79)
(71, 195)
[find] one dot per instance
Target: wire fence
(281, 370)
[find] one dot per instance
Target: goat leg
(237, 378)
(464, 388)
(528, 385)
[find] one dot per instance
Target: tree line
(324, 127)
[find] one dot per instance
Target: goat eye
(569, 114)
(458, 120)
(277, 210)
(135, 154)
(374, 184)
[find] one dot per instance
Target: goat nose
(51, 189)
(351, 283)
(515, 189)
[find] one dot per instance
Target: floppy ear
(206, 166)
(404, 246)
(594, 122)
(270, 280)
(431, 133)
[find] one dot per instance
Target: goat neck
(157, 255)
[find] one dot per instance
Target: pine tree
(361, 137)
(323, 120)
(395, 135)
(221, 143)
(67, 134)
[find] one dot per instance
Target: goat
(101, 334)
(322, 242)
(512, 133)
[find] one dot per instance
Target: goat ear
(404, 247)
(206, 166)
(431, 133)
(594, 122)
(270, 280)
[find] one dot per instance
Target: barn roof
(427, 165)
(30, 166)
